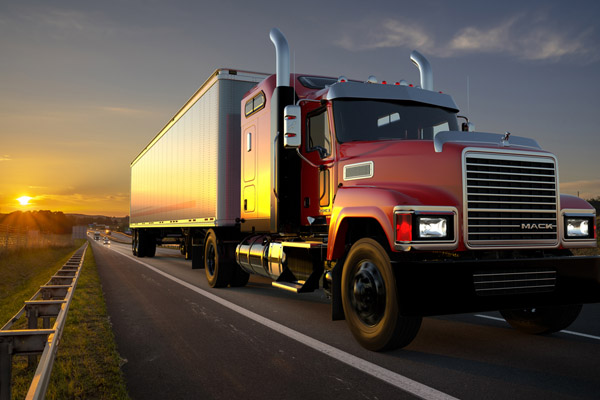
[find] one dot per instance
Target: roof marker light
(384, 82)
(342, 79)
(372, 79)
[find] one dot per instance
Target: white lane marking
(392, 378)
(585, 335)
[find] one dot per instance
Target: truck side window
(319, 137)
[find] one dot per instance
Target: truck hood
(429, 173)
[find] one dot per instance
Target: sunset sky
(84, 85)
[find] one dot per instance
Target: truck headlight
(432, 227)
(579, 227)
(416, 226)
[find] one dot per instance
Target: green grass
(23, 271)
(87, 365)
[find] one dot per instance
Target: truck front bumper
(453, 287)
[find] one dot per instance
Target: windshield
(386, 120)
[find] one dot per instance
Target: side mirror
(292, 127)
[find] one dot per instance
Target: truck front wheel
(370, 300)
(217, 264)
(542, 320)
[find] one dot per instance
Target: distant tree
(596, 203)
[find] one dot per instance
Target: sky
(85, 85)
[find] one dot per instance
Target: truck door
(316, 181)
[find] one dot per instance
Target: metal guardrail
(52, 300)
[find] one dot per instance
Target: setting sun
(24, 200)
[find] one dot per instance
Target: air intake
(358, 171)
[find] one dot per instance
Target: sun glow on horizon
(24, 200)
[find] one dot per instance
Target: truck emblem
(531, 227)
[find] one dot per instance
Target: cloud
(5, 157)
(472, 39)
(520, 36)
(528, 41)
(391, 33)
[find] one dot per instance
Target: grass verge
(87, 365)
(23, 271)
(592, 251)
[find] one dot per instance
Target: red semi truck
(372, 192)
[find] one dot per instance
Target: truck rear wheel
(138, 244)
(134, 244)
(542, 320)
(217, 264)
(370, 301)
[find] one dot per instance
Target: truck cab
(406, 207)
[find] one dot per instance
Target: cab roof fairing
(374, 91)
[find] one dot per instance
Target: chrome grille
(514, 281)
(510, 200)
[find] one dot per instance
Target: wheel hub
(210, 260)
(368, 293)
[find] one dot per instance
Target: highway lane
(179, 343)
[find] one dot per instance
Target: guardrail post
(32, 323)
(5, 368)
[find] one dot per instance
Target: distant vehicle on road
(106, 241)
(96, 235)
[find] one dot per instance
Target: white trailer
(189, 174)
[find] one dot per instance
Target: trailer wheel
(150, 246)
(218, 267)
(134, 249)
(138, 245)
(370, 301)
(542, 320)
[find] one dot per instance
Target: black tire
(240, 277)
(218, 266)
(150, 250)
(542, 320)
(139, 249)
(186, 246)
(197, 257)
(134, 244)
(370, 300)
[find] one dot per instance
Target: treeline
(43, 221)
(596, 203)
(56, 221)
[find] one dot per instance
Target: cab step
(295, 286)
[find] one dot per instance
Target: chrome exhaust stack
(424, 69)
(282, 51)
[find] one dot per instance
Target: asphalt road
(182, 339)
